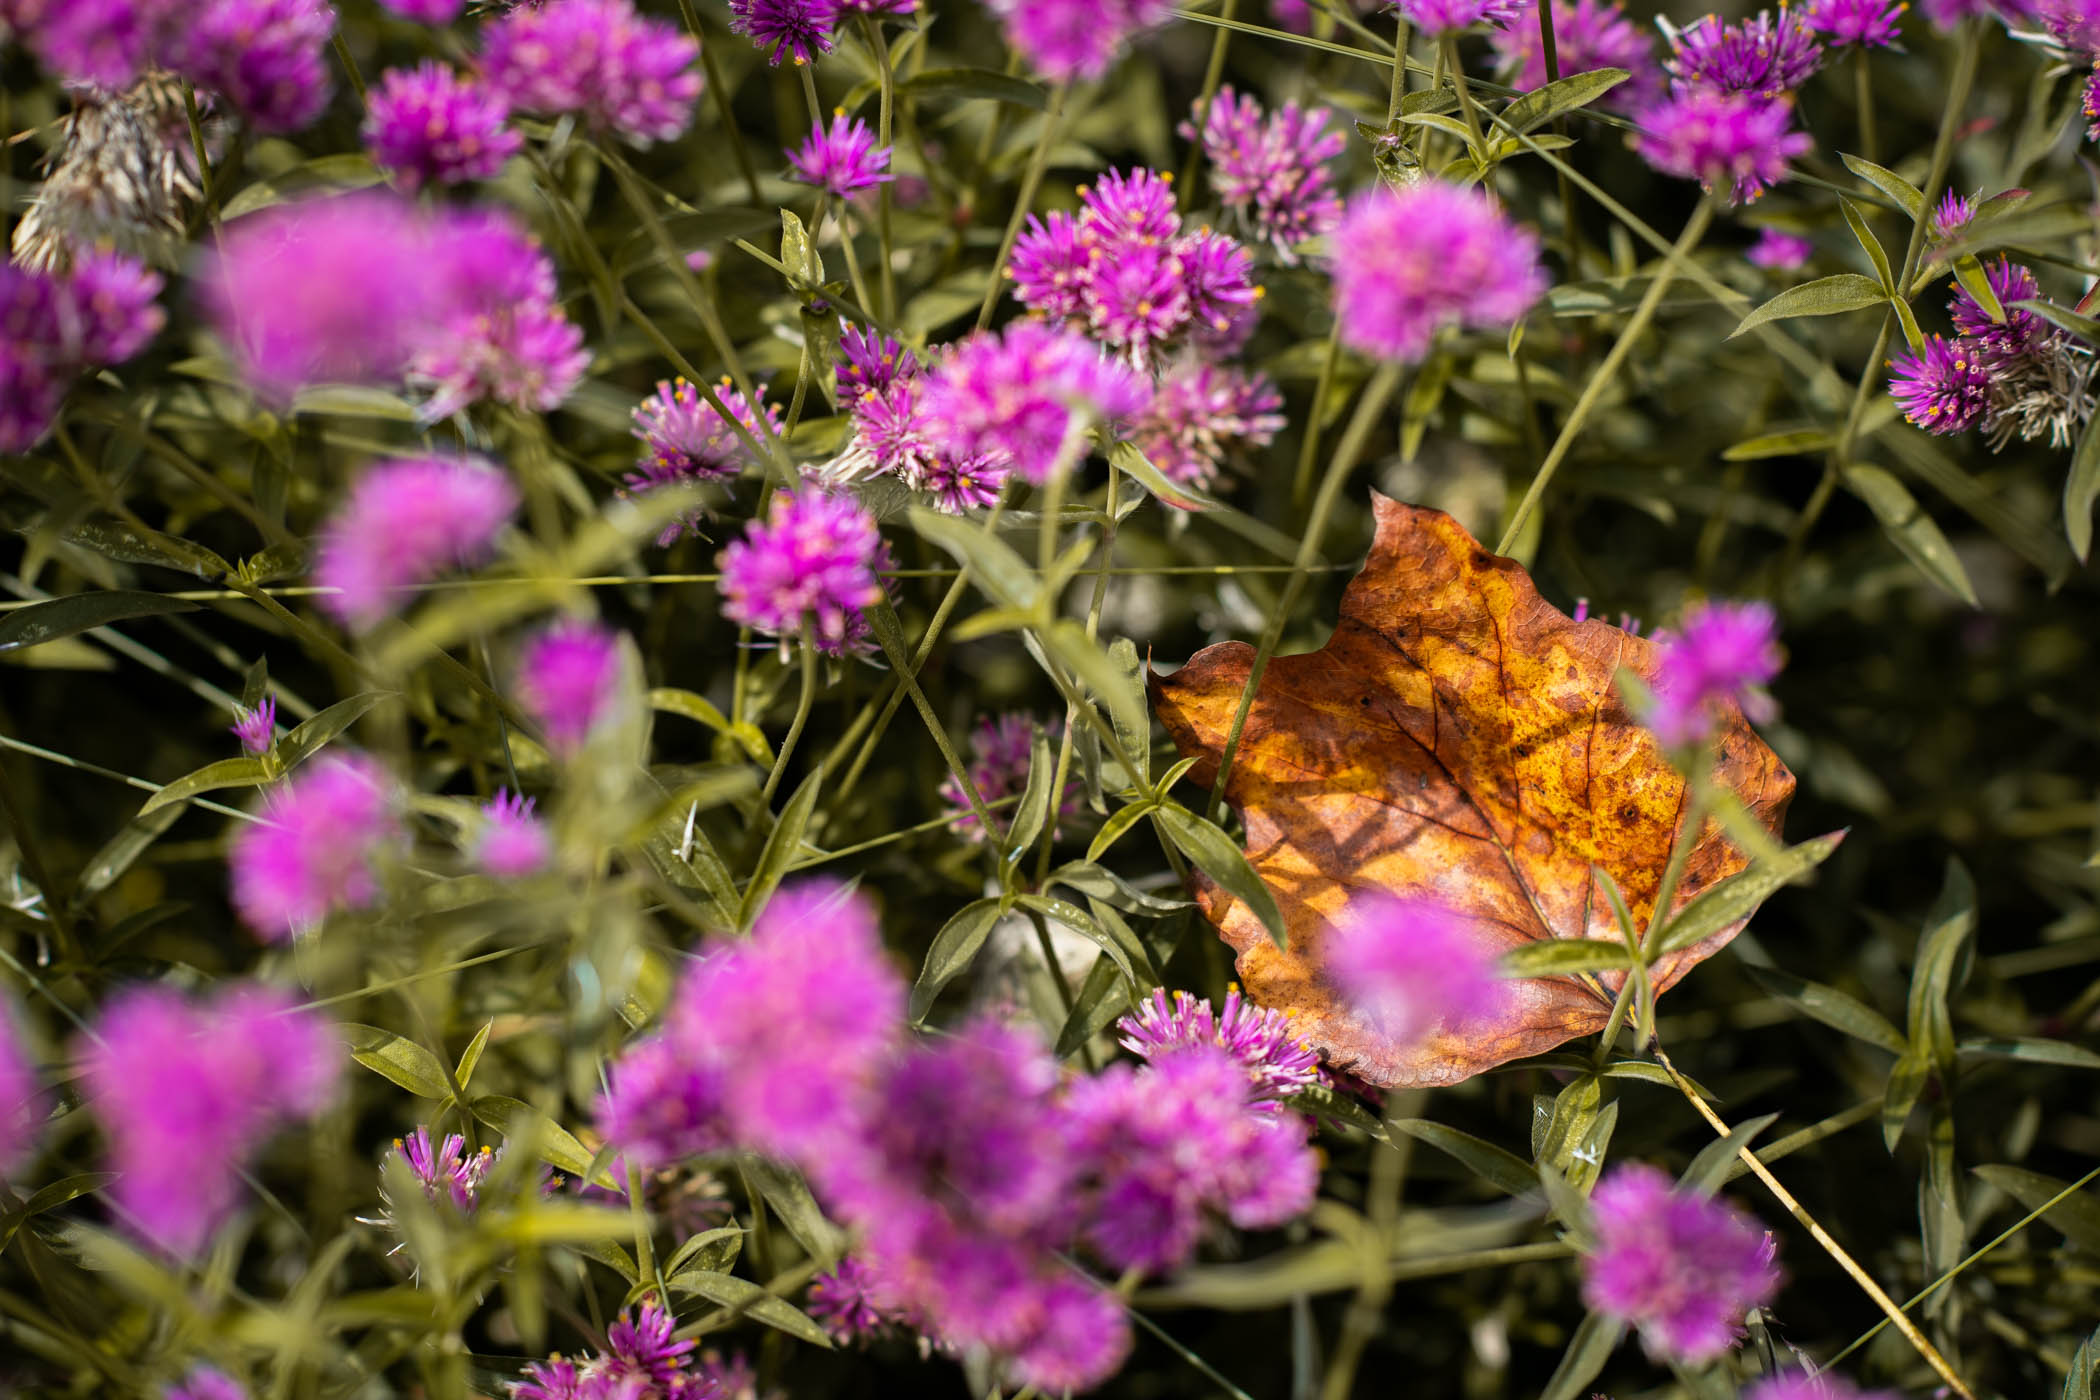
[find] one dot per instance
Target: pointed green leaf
(1870, 245)
(1832, 1007)
(81, 612)
(1908, 197)
(1497, 1166)
(1214, 853)
(1710, 1168)
(993, 566)
(1910, 529)
(1562, 957)
(2077, 1214)
(2082, 490)
(954, 948)
(398, 1059)
(310, 736)
(1541, 105)
(783, 847)
(1826, 296)
(1739, 896)
(743, 1298)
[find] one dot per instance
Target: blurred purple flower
(1720, 653)
(257, 728)
(1276, 1061)
(1199, 413)
(685, 440)
(1587, 35)
(1800, 1385)
(497, 332)
(22, 1102)
(871, 360)
(430, 124)
(316, 847)
(1753, 56)
(187, 1090)
(1944, 390)
(808, 568)
(115, 300)
(53, 327)
(1271, 171)
(1407, 264)
(512, 843)
(841, 158)
(1412, 966)
(1079, 1339)
(2075, 24)
(404, 523)
(268, 57)
(566, 679)
(1024, 398)
(204, 1383)
(1440, 17)
(425, 11)
(1947, 15)
(1068, 39)
(622, 72)
(661, 1109)
(1721, 139)
(794, 29)
(643, 1350)
(844, 1303)
(1682, 1270)
(1779, 250)
(999, 759)
(1869, 24)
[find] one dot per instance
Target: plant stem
(1571, 232)
(1023, 198)
(1863, 90)
(802, 708)
(1213, 74)
(1388, 1175)
(719, 90)
(1694, 229)
(879, 47)
(1376, 395)
(1457, 68)
(1093, 628)
(1309, 447)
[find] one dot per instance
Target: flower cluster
(881, 380)
(842, 158)
(446, 1171)
(1864, 24)
(1681, 1269)
(54, 326)
(1722, 654)
(1587, 35)
(512, 842)
(430, 125)
(1023, 398)
(1413, 968)
(1271, 171)
(315, 846)
(2009, 371)
(799, 30)
(1757, 56)
(1127, 271)
(366, 288)
(1728, 119)
(567, 676)
(807, 570)
(1068, 39)
(619, 71)
(187, 1090)
(1000, 750)
(685, 439)
(1200, 414)
(643, 1360)
(1276, 1061)
(1438, 18)
(404, 523)
(1408, 264)
(268, 58)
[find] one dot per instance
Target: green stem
(1388, 1174)
(1397, 92)
(1454, 65)
(1571, 232)
(1593, 392)
(1309, 448)
(1863, 90)
(802, 707)
(1376, 395)
(357, 79)
(879, 47)
(1030, 182)
(1093, 629)
(719, 90)
(1213, 75)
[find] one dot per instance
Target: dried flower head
(124, 177)
(1682, 1270)
(1408, 264)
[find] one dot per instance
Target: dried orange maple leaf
(1458, 739)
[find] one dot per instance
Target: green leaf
(1871, 246)
(689, 706)
(560, 1222)
(2077, 1214)
(954, 948)
(1936, 975)
(1910, 529)
(1099, 882)
(795, 1208)
(1709, 1169)
(1977, 284)
(1497, 1166)
(1739, 896)
(1561, 957)
(2084, 327)
(1797, 442)
(226, 773)
(1119, 821)
(966, 83)
(1596, 1337)
(354, 401)
(1830, 1006)
(714, 1250)
(1101, 998)
(557, 1146)
(401, 1060)
(2078, 1380)
(81, 612)
(1826, 296)
(121, 852)
(1118, 942)
(471, 1056)
(1085, 659)
(310, 736)
(783, 846)
(1908, 197)
(1133, 463)
(2082, 489)
(746, 1299)
(129, 545)
(2036, 1050)
(1541, 105)
(993, 566)
(1033, 810)
(1907, 1080)
(1215, 854)
(1137, 742)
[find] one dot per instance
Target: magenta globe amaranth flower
(268, 57)
(1757, 56)
(446, 1171)
(1271, 172)
(870, 360)
(512, 843)
(844, 1302)
(2018, 332)
(1411, 966)
(841, 158)
(187, 1090)
(686, 439)
(1682, 1270)
(1945, 389)
(1779, 251)
(1867, 24)
(808, 569)
(662, 1106)
(404, 523)
(257, 728)
(1025, 397)
(316, 847)
(1587, 35)
(205, 1383)
(1408, 264)
(425, 11)
(1277, 1061)
(429, 124)
(1200, 414)
(115, 303)
(620, 71)
(1721, 139)
(798, 30)
(567, 676)
(1068, 39)
(497, 331)
(1441, 17)
(1001, 748)
(1721, 654)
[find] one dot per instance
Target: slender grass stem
(718, 89)
(803, 703)
(1038, 162)
(1213, 76)
(879, 50)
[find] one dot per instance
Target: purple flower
(445, 1171)
(1721, 138)
(1946, 15)
(566, 678)
(1138, 298)
(1681, 1269)
(1799, 1385)
(841, 158)
(661, 1109)
(1199, 413)
(496, 333)
(1945, 390)
(1068, 39)
(1124, 208)
(425, 11)
(187, 1090)
(642, 1347)
(1721, 653)
(404, 523)
(844, 1303)
(99, 42)
(621, 72)
(513, 843)
(1219, 275)
(114, 299)
(1587, 35)
(1440, 17)
(1954, 214)
(1052, 267)
(316, 847)
(878, 7)
(204, 1383)
(268, 57)
(871, 360)
(1000, 752)
(960, 484)
(808, 569)
(2020, 333)
(1272, 172)
(431, 124)
(1411, 263)
(1869, 24)
(30, 398)
(1753, 56)
(1412, 967)
(796, 29)
(1780, 251)
(257, 728)
(685, 440)
(1024, 398)
(1079, 1341)
(2073, 23)
(51, 328)
(1276, 1061)
(22, 1104)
